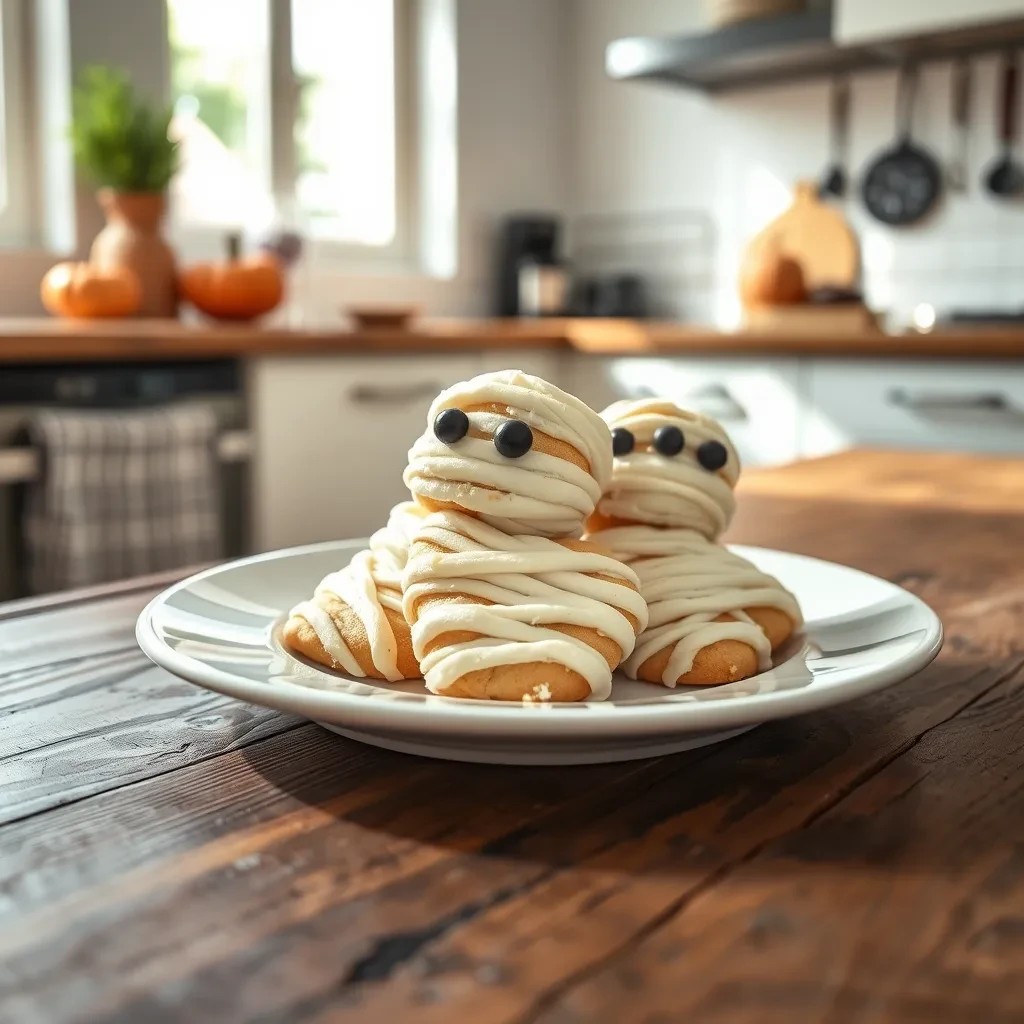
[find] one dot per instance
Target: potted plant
(121, 144)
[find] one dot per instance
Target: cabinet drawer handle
(717, 401)
(981, 401)
(714, 400)
(382, 394)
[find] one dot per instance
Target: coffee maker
(532, 281)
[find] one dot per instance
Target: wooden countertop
(173, 855)
(45, 340)
(34, 340)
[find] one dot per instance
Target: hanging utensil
(833, 183)
(903, 184)
(956, 169)
(1005, 177)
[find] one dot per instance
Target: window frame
(17, 213)
(282, 105)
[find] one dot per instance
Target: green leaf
(120, 141)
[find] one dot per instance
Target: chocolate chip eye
(622, 441)
(712, 455)
(668, 440)
(513, 439)
(451, 425)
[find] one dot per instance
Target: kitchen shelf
(784, 49)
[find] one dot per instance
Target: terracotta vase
(132, 239)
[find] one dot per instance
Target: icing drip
(676, 490)
(371, 582)
(533, 582)
(537, 493)
(688, 582)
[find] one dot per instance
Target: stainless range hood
(786, 49)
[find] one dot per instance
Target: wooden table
(173, 855)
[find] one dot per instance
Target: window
(298, 107)
(220, 79)
(16, 207)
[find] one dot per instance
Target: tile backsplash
(968, 253)
(643, 146)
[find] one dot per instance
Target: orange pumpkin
(240, 288)
(771, 278)
(86, 291)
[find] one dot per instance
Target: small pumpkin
(771, 278)
(89, 292)
(240, 288)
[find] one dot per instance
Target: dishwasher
(30, 387)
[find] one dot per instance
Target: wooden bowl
(387, 318)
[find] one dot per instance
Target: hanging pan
(902, 185)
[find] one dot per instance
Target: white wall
(650, 146)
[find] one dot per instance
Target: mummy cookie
(513, 451)
(713, 616)
(497, 616)
(504, 604)
(354, 621)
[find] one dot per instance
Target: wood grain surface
(51, 340)
(169, 855)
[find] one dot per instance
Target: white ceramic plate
(221, 629)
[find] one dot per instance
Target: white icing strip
(371, 582)
(687, 582)
(329, 635)
(534, 582)
(537, 493)
(669, 490)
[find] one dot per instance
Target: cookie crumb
(540, 694)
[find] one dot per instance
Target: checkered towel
(121, 493)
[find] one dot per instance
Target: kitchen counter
(37, 340)
(62, 340)
(172, 854)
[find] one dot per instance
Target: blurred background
(245, 242)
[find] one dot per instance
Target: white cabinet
(862, 21)
(954, 406)
(331, 436)
(756, 400)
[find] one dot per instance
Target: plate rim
(439, 715)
